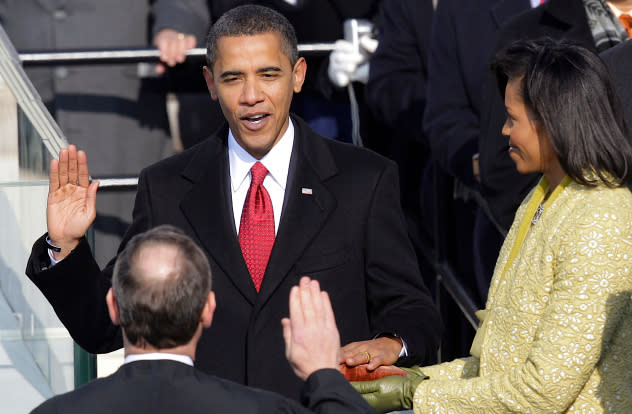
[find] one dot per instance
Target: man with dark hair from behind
(161, 297)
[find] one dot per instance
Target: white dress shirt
(276, 161)
(185, 359)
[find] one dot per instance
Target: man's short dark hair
(567, 89)
(250, 20)
(162, 313)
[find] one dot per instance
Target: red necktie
(256, 231)
(626, 21)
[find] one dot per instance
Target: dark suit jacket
(502, 185)
(349, 234)
(463, 38)
(619, 61)
(165, 386)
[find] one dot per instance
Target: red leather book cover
(360, 373)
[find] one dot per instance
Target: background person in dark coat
(340, 223)
(179, 25)
(396, 96)
(164, 271)
(463, 39)
(109, 110)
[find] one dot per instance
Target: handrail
(113, 184)
(130, 55)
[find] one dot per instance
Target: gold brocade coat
(557, 336)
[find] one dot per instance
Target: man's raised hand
(312, 341)
(71, 206)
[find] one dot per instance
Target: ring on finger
(368, 356)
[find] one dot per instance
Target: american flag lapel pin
(306, 191)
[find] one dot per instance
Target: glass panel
(36, 351)
(36, 348)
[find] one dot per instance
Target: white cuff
(404, 352)
(53, 262)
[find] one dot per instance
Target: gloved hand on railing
(393, 393)
(347, 64)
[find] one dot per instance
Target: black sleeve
(327, 391)
(76, 289)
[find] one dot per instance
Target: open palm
(71, 207)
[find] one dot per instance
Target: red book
(360, 373)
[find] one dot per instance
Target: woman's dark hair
(568, 91)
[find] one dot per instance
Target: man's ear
(299, 71)
(210, 82)
(209, 310)
(112, 308)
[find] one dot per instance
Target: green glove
(392, 393)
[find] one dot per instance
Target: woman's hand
(394, 393)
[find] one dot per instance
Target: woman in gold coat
(556, 332)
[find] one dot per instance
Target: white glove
(346, 64)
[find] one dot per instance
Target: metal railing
(82, 57)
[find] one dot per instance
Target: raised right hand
(71, 206)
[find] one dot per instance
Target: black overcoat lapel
(207, 208)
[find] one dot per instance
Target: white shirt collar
(185, 359)
(276, 161)
(535, 3)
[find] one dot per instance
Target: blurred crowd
(410, 77)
